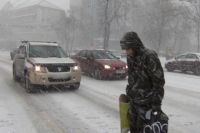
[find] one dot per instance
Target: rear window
(181, 57)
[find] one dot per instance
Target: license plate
(120, 71)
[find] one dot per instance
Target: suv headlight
(75, 68)
(40, 69)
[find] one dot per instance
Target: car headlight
(125, 67)
(107, 66)
(75, 68)
(40, 69)
(37, 68)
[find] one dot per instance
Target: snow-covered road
(91, 109)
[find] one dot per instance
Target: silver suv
(45, 64)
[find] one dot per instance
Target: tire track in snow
(171, 102)
(184, 92)
(46, 117)
(42, 114)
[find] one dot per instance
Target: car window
(82, 53)
(89, 54)
(104, 55)
(46, 51)
(191, 56)
(181, 57)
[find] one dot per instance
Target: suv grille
(58, 80)
(58, 67)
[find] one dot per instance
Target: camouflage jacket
(145, 78)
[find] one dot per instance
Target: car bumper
(57, 78)
(114, 73)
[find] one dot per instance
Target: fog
(79, 93)
(64, 4)
(169, 27)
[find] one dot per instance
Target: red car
(101, 64)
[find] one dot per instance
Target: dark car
(184, 63)
(101, 64)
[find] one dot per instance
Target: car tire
(15, 77)
(28, 86)
(197, 71)
(169, 69)
(75, 86)
(97, 74)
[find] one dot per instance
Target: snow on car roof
(189, 53)
(44, 43)
(198, 54)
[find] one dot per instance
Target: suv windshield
(104, 55)
(46, 51)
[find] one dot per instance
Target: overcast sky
(64, 4)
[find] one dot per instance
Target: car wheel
(97, 74)
(169, 69)
(28, 86)
(197, 71)
(15, 77)
(75, 86)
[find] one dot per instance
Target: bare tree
(192, 12)
(159, 16)
(196, 18)
(111, 12)
(159, 20)
(71, 24)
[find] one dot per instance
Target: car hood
(112, 62)
(51, 60)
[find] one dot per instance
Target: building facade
(39, 21)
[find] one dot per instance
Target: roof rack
(26, 41)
